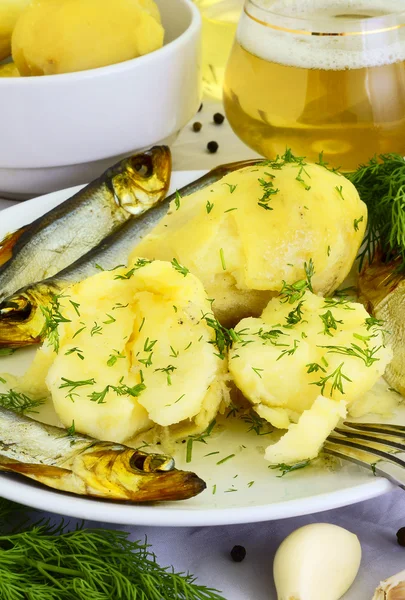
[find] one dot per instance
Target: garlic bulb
(392, 588)
(316, 562)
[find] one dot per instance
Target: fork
(371, 445)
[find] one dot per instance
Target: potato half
(298, 350)
(134, 355)
(255, 228)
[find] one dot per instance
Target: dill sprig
(49, 562)
(290, 468)
(19, 402)
(381, 186)
(53, 318)
(336, 378)
(256, 423)
(201, 437)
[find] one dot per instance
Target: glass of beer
(319, 76)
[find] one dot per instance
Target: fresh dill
(309, 268)
(177, 200)
(295, 316)
(290, 468)
(258, 371)
(336, 380)
(371, 322)
(290, 351)
(380, 184)
(174, 353)
(198, 438)
(118, 305)
(222, 257)
(110, 320)
(268, 191)
(339, 189)
(148, 345)
(223, 339)
(141, 262)
(367, 355)
(329, 323)
(73, 385)
(79, 330)
(178, 267)
(356, 223)
(293, 292)
(300, 179)
(19, 402)
(220, 462)
(337, 302)
(232, 188)
(76, 306)
(257, 424)
(209, 206)
(113, 358)
(96, 329)
(51, 562)
(168, 370)
(71, 430)
(53, 318)
(314, 368)
(75, 350)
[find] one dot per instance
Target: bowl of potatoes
(85, 82)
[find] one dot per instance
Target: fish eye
(142, 165)
(151, 463)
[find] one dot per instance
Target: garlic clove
(316, 562)
(392, 588)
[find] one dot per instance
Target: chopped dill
(76, 306)
(19, 402)
(141, 262)
(329, 323)
(367, 355)
(232, 188)
(71, 431)
(336, 378)
(295, 316)
(53, 318)
(168, 370)
(220, 462)
(256, 423)
(290, 351)
(177, 200)
(356, 223)
(116, 354)
(258, 371)
(209, 206)
(178, 267)
(290, 468)
(339, 189)
(75, 350)
(222, 257)
(96, 329)
(198, 438)
(110, 320)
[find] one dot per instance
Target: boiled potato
(304, 440)
(62, 36)
(9, 70)
(301, 346)
(134, 355)
(257, 227)
(10, 10)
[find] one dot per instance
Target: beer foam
(326, 52)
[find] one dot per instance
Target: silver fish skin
(71, 229)
(78, 464)
(21, 320)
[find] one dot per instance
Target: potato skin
(64, 36)
(242, 251)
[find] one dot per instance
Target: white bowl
(62, 130)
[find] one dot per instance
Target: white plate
(310, 490)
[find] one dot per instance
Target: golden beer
(317, 76)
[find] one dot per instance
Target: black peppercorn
(238, 553)
(197, 126)
(401, 536)
(201, 106)
(218, 119)
(212, 147)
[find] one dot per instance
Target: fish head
(141, 180)
(21, 319)
(118, 472)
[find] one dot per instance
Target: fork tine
(398, 430)
(366, 447)
(392, 472)
(373, 439)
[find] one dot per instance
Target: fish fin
(36, 471)
(7, 244)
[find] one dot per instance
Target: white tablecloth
(204, 551)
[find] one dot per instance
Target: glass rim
(343, 26)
